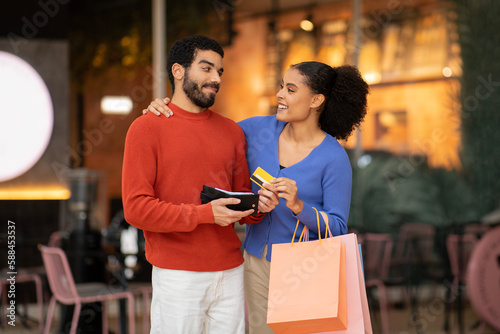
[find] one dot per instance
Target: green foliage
(118, 33)
(392, 190)
(454, 196)
(479, 38)
(189, 17)
(104, 33)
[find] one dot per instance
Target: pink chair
(65, 291)
(413, 259)
(483, 278)
(26, 275)
(459, 248)
(55, 239)
(476, 229)
(377, 250)
(143, 290)
(463, 244)
(22, 276)
(415, 242)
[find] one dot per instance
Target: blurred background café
(74, 74)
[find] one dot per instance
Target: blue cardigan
(323, 179)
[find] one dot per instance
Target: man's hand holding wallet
(224, 216)
(249, 203)
(248, 200)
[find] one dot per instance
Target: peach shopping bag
(307, 287)
(298, 311)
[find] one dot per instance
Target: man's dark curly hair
(345, 92)
(184, 51)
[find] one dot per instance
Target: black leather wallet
(249, 200)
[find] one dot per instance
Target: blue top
(323, 179)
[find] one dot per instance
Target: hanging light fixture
(307, 24)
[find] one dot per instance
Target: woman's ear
(178, 71)
(317, 101)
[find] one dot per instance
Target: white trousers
(189, 302)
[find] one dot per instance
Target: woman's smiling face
(294, 97)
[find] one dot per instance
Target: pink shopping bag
(358, 314)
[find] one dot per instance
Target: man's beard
(194, 93)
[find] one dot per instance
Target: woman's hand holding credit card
(281, 187)
(260, 177)
(268, 198)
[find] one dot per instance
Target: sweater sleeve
(336, 184)
(142, 208)
(241, 176)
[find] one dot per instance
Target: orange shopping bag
(307, 287)
(358, 314)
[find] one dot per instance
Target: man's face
(202, 79)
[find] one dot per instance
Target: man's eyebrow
(211, 64)
(207, 62)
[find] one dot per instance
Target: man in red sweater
(197, 263)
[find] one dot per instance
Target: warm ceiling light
(447, 72)
(48, 193)
(372, 77)
(307, 24)
(116, 105)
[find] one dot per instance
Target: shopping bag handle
(319, 229)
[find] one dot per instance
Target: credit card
(260, 176)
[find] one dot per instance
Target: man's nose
(216, 78)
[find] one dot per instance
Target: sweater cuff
(308, 217)
(205, 214)
(252, 219)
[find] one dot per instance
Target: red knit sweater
(166, 163)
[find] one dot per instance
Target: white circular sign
(26, 116)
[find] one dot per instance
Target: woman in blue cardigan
(317, 106)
